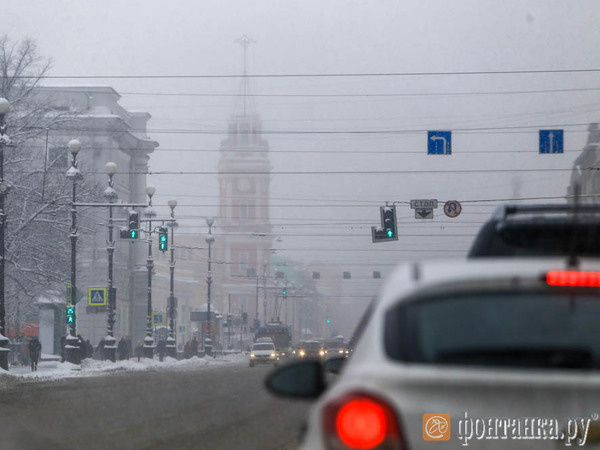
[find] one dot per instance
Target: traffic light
(163, 239)
(245, 318)
(134, 224)
(387, 231)
(284, 292)
(70, 315)
(328, 320)
(229, 320)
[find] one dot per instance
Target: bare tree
(38, 219)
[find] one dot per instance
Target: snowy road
(214, 407)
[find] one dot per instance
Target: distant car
(454, 341)
(336, 348)
(310, 350)
(263, 353)
(540, 230)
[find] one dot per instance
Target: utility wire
(323, 75)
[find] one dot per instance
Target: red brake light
(360, 421)
(573, 278)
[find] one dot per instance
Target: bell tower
(244, 179)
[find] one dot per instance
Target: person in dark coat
(100, 349)
(161, 347)
(139, 350)
(89, 348)
(194, 347)
(35, 350)
(122, 348)
(82, 348)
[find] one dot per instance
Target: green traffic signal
(390, 233)
(328, 320)
(284, 292)
(70, 314)
(162, 241)
(133, 234)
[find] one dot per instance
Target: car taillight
(573, 278)
(361, 421)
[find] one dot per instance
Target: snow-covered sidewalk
(91, 367)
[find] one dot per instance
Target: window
(243, 211)
(556, 330)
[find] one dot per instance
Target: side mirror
(334, 365)
(304, 379)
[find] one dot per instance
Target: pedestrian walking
(35, 350)
(161, 347)
(194, 347)
(139, 350)
(122, 348)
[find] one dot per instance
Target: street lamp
(209, 240)
(111, 195)
(74, 174)
(149, 340)
(171, 342)
(4, 188)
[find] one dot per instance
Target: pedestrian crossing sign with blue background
(158, 319)
(551, 141)
(439, 142)
(97, 296)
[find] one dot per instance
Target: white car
(488, 354)
(263, 353)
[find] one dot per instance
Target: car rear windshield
(522, 238)
(264, 346)
(514, 329)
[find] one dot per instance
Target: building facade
(107, 132)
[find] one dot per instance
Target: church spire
(245, 42)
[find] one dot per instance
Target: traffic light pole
(149, 340)
(72, 343)
(171, 342)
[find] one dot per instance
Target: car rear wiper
(559, 357)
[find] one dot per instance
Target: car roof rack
(503, 211)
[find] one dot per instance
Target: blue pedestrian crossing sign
(158, 319)
(97, 296)
(181, 329)
(439, 142)
(551, 141)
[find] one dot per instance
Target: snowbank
(91, 367)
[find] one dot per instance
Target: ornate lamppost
(111, 195)
(172, 306)
(72, 345)
(208, 347)
(149, 340)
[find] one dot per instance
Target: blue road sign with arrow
(439, 142)
(551, 141)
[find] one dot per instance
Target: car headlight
(302, 353)
(272, 355)
(294, 352)
(251, 355)
(322, 353)
(282, 353)
(341, 351)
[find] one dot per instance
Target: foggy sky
(149, 37)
